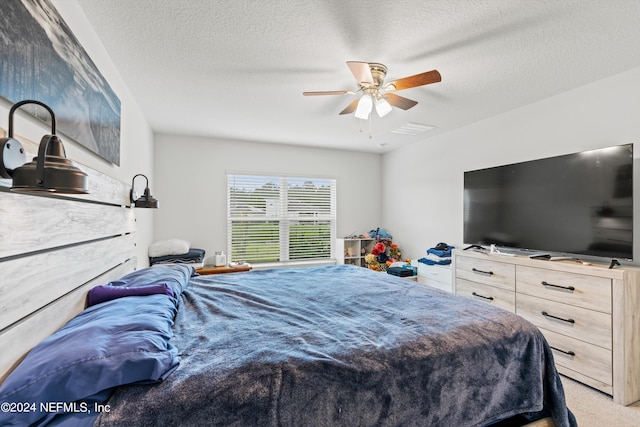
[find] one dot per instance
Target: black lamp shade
(146, 201)
(51, 171)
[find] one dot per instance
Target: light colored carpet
(595, 409)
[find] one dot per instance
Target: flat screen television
(570, 205)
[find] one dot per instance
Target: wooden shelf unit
(352, 250)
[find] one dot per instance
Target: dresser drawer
(579, 323)
(488, 272)
(587, 359)
(435, 272)
(435, 284)
(569, 288)
(489, 294)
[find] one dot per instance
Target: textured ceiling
(236, 69)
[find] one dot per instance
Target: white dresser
(589, 314)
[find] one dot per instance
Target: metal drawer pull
(488, 273)
(481, 296)
(570, 353)
(545, 314)
(568, 288)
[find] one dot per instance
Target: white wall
(136, 138)
(190, 184)
(427, 206)
(429, 172)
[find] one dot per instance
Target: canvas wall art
(41, 59)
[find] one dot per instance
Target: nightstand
(211, 269)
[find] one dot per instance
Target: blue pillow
(122, 341)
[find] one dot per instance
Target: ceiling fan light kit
(370, 78)
(383, 107)
(364, 107)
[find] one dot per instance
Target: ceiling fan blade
(328, 92)
(351, 107)
(421, 79)
(399, 101)
(361, 71)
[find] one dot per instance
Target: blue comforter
(343, 346)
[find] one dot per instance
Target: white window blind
(274, 219)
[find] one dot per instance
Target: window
(280, 219)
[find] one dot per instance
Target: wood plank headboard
(53, 249)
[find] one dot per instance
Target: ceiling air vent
(412, 129)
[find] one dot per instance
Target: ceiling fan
(370, 77)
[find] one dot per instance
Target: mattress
(343, 346)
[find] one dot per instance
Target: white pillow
(169, 247)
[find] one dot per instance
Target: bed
(325, 346)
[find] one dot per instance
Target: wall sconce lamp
(146, 200)
(50, 171)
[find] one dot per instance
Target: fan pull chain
(362, 130)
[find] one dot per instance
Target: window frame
(286, 217)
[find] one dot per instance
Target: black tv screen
(576, 204)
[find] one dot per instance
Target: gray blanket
(343, 346)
